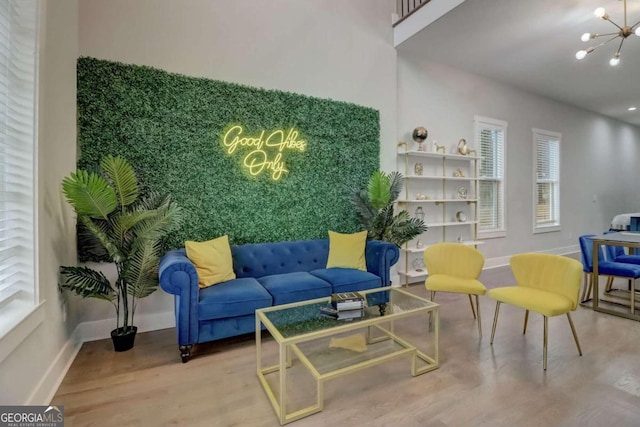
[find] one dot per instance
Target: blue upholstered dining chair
(617, 254)
(605, 267)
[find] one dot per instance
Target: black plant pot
(124, 341)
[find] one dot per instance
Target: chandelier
(623, 32)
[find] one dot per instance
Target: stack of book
(345, 306)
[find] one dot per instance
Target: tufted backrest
(265, 259)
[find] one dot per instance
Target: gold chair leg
(473, 310)
(433, 295)
(478, 310)
(633, 296)
(544, 343)
(587, 287)
(609, 284)
(526, 319)
(575, 336)
(495, 322)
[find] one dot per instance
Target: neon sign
(266, 153)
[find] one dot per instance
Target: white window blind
(491, 140)
(18, 65)
(546, 150)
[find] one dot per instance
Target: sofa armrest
(380, 256)
(178, 276)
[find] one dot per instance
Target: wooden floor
(476, 384)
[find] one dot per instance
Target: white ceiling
(532, 44)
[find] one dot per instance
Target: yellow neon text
(257, 160)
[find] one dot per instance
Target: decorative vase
(123, 342)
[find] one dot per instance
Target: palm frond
(123, 222)
(87, 283)
(142, 271)
(379, 187)
(152, 200)
(89, 194)
(165, 220)
(364, 211)
(396, 182)
(89, 246)
(123, 178)
(103, 236)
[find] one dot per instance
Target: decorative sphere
(420, 134)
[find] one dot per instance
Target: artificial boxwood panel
(171, 128)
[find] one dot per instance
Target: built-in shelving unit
(444, 188)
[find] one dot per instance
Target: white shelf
(437, 200)
(413, 274)
(435, 177)
(438, 155)
(448, 224)
(414, 250)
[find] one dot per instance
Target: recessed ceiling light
(632, 108)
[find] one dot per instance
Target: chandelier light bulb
(586, 37)
(638, 31)
(614, 61)
(632, 108)
(581, 54)
(599, 12)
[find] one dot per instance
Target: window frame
(18, 320)
(481, 123)
(555, 223)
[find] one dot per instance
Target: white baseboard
(504, 261)
(51, 380)
(101, 329)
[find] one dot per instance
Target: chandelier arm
(595, 36)
(617, 54)
(633, 27)
(619, 27)
(605, 42)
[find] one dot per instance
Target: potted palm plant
(375, 210)
(128, 228)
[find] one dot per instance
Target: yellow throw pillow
(212, 260)
(347, 250)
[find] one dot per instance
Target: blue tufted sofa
(266, 274)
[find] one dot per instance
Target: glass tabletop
(307, 317)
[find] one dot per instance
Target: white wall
(598, 154)
(324, 48)
(31, 372)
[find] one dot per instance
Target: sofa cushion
(237, 297)
(348, 279)
(347, 250)
(212, 260)
(293, 287)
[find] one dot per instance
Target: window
(18, 76)
(491, 138)
(546, 158)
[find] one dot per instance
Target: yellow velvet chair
(546, 284)
(454, 267)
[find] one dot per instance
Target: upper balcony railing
(407, 7)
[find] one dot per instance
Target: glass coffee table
(394, 324)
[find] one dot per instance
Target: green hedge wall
(171, 128)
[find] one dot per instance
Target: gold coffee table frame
(401, 304)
